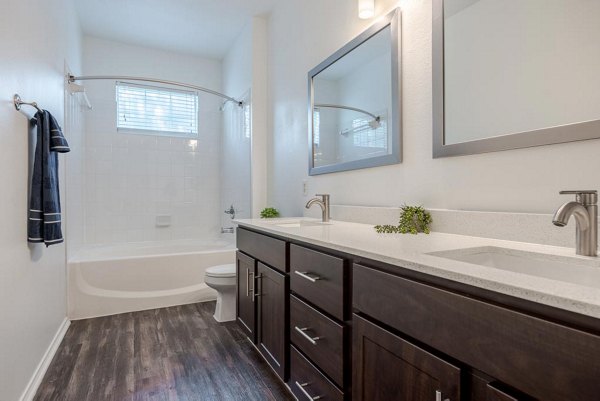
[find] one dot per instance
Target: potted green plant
(269, 213)
(413, 220)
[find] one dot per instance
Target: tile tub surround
(132, 178)
(523, 227)
(411, 252)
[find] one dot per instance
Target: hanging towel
(44, 223)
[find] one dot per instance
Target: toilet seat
(221, 271)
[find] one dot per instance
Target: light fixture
(366, 9)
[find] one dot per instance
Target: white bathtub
(106, 280)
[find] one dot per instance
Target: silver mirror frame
(393, 21)
(545, 136)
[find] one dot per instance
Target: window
(368, 137)
(162, 111)
(247, 120)
(316, 127)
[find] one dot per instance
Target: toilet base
(225, 309)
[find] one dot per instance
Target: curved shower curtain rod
(73, 78)
(339, 106)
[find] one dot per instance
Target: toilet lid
(221, 271)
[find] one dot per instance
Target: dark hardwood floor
(177, 354)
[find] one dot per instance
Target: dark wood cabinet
(272, 290)
(487, 389)
(321, 339)
(495, 394)
(307, 383)
(387, 367)
(321, 279)
(559, 362)
(269, 250)
(350, 327)
(246, 307)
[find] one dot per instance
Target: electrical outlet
(305, 187)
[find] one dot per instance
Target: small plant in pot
(413, 220)
(269, 213)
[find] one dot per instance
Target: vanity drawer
(319, 278)
(269, 250)
(307, 382)
(543, 359)
(320, 338)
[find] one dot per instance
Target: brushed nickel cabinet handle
(438, 396)
(312, 340)
(254, 294)
(310, 397)
(248, 289)
(305, 275)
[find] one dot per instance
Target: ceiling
(201, 27)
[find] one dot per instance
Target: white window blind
(316, 126)
(365, 136)
(160, 110)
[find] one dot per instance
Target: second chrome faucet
(323, 203)
(585, 211)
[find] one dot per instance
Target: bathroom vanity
(342, 313)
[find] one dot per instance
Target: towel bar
(18, 103)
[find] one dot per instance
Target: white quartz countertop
(412, 252)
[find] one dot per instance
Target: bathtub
(106, 280)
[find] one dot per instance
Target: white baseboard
(40, 370)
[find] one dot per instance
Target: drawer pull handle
(306, 276)
(310, 397)
(438, 396)
(313, 340)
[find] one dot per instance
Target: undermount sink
(573, 270)
(298, 223)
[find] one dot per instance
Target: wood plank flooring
(172, 354)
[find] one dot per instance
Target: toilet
(222, 279)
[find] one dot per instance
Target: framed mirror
(354, 102)
(514, 74)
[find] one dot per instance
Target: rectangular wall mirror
(354, 102)
(514, 74)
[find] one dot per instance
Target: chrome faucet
(230, 212)
(585, 211)
(323, 203)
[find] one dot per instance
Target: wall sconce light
(366, 9)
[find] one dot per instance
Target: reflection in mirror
(352, 100)
(516, 73)
(354, 105)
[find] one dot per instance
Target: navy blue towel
(44, 223)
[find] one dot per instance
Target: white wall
(236, 175)
(132, 178)
(245, 71)
(519, 66)
(74, 195)
(525, 180)
(36, 38)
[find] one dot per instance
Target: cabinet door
(273, 310)
(388, 368)
(246, 307)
